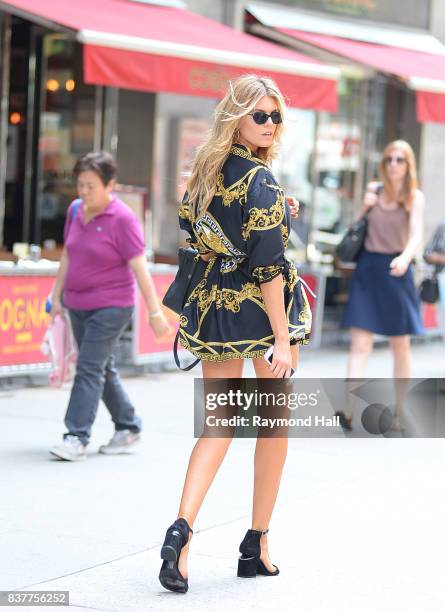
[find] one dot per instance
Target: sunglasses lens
(260, 117)
(276, 117)
(398, 160)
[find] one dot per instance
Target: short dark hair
(101, 163)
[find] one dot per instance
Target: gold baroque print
(266, 273)
(285, 234)
(202, 283)
(228, 298)
(235, 191)
(231, 193)
(261, 219)
(199, 246)
(291, 277)
(229, 264)
(213, 356)
(184, 211)
(211, 234)
(305, 316)
(247, 155)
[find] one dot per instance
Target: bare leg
(401, 350)
(206, 457)
(270, 456)
(361, 347)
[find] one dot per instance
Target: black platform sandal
(250, 564)
(176, 538)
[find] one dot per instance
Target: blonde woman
(383, 298)
(249, 300)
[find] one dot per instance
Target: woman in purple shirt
(102, 258)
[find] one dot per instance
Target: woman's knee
(361, 343)
(400, 344)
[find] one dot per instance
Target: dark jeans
(97, 333)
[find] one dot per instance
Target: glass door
(66, 131)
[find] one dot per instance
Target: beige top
(388, 228)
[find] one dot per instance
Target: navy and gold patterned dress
(247, 225)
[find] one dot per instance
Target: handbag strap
(176, 356)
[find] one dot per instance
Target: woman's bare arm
(273, 296)
(56, 305)
(399, 265)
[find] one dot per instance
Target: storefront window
(337, 160)
(180, 127)
(293, 170)
(66, 130)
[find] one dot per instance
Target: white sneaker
(71, 449)
(122, 442)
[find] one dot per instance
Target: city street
(357, 526)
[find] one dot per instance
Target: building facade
(53, 116)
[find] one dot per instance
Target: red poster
(312, 282)
(146, 342)
(23, 320)
(429, 316)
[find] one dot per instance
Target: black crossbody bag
(190, 272)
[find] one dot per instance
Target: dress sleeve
(130, 238)
(185, 224)
(263, 218)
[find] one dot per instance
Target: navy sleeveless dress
(247, 226)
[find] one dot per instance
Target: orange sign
(23, 320)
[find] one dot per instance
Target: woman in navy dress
(250, 299)
(383, 298)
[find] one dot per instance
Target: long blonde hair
(410, 182)
(241, 98)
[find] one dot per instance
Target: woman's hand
(282, 360)
(398, 266)
(370, 200)
(159, 324)
(56, 307)
(294, 206)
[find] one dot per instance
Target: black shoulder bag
(190, 272)
(352, 242)
(429, 289)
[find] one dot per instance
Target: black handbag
(352, 242)
(429, 290)
(190, 272)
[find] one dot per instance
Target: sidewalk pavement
(357, 526)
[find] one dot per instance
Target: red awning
(152, 48)
(423, 72)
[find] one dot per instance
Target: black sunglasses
(261, 117)
(398, 160)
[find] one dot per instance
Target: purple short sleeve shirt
(98, 274)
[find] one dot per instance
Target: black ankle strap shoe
(250, 564)
(176, 538)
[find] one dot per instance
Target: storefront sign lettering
(205, 79)
(22, 314)
(367, 5)
(23, 320)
